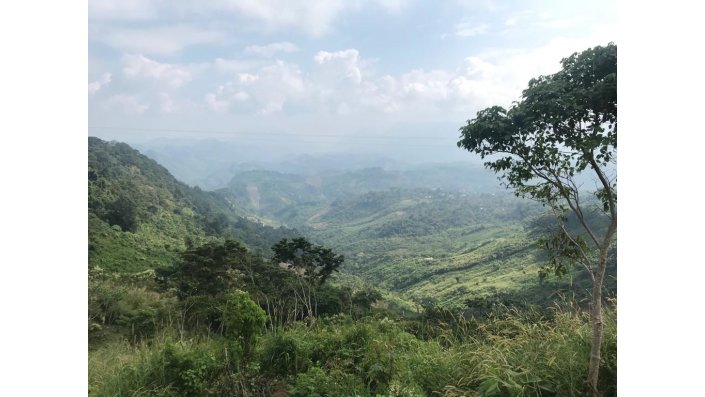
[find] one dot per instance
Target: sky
(323, 75)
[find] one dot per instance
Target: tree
(243, 320)
(312, 264)
(209, 270)
(563, 128)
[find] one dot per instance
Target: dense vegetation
(294, 198)
(437, 294)
(140, 217)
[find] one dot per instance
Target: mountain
(140, 216)
(211, 163)
(437, 233)
(437, 247)
(292, 199)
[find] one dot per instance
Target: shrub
(318, 383)
(184, 369)
(243, 320)
(284, 355)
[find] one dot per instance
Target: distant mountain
(140, 216)
(293, 198)
(211, 163)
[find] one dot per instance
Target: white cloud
(128, 104)
(236, 65)
(511, 21)
(141, 67)
(97, 85)
(164, 40)
(271, 49)
(247, 78)
(335, 84)
(265, 92)
(468, 29)
(123, 9)
(216, 103)
(347, 61)
(393, 5)
(312, 17)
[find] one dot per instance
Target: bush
(284, 355)
(243, 320)
(318, 383)
(135, 312)
(184, 369)
(187, 371)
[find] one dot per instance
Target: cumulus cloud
(271, 49)
(341, 88)
(265, 91)
(160, 40)
(96, 86)
(143, 68)
(347, 61)
(338, 83)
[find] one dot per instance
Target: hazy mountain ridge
(293, 198)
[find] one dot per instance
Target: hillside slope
(293, 198)
(140, 216)
(436, 247)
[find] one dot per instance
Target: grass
(511, 353)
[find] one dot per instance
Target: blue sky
(325, 72)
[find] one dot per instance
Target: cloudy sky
(327, 72)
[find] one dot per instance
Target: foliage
(509, 353)
(565, 125)
(284, 355)
(210, 269)
(165, 369)
(132, 309)
(295, 199)
(243, 320)
(315, 262)
(140, 217)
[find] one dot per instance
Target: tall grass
(511, 353)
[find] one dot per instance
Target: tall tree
(312, 264)
(208, 270)
(565, 125)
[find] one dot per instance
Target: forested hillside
(140, 217)
(293, 198)
(465, 241)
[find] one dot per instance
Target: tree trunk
(597, 331)
(597, 324)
